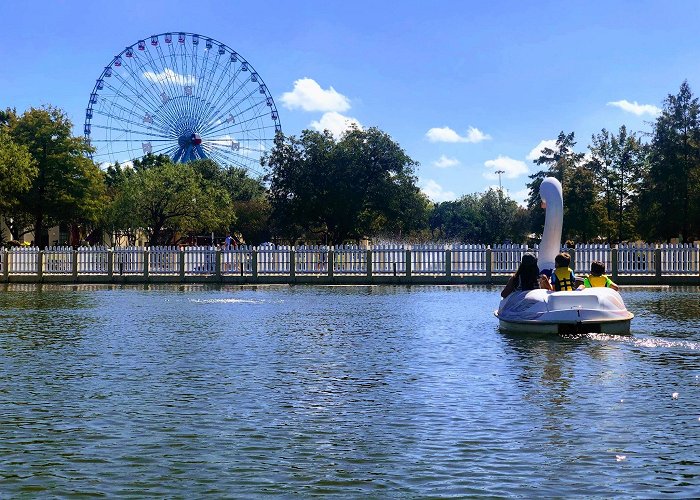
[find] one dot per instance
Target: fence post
(40, 264)
(146, 263)
(369, 263)
(254, 263)
(408, 263)
(614, 263)
(110, 263)
(75, 265)
(489, 264)
(331, 261)
(448, 262)
(572, 263)
(292, 262)
(5, 265)
(217, 264)
(181, 263)
(657, 262)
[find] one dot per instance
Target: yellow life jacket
(593, 281)
(563, 279)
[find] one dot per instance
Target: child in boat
(527, 277)
(563, 278)
(597, 278)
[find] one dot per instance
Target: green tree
(491, 217)
(618, 163)
(168, 201)
(560, 162)
(360, 185)
(248, 196)
(671, 197)
(17, 171)
(584, 222)
(68, 186)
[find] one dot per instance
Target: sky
(466, 88)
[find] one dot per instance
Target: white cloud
(511, 168)
(537, 150)
(520, 196)
(446, 134)
(309, 96)
(168, 75)
(445, 162)
(635, 107)
(435, 192)
(335, 123)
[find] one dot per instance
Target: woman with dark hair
(527, 277)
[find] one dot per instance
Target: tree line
(627, 186)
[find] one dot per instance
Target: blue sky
(466, 88)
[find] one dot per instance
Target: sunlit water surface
(347, 391)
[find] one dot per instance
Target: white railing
(635, 259)
(469, 259)
(349, 260)
(164, 260)
(429, 259)
(93, 260)
(128, 260)
(200, 260)
(311, 260)
(585, 254)
(238, 261)
(680, 259)
(273, 259)
(505, 259)
(389, 259)
(386, 260)
(58, 260)
(23, 260)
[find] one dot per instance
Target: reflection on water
(350, 391)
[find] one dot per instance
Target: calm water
(347, 391)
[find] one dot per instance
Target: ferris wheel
(184, 95)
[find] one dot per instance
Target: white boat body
(543, 311)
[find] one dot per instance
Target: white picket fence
(386, 260)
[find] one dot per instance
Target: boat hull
(598, 310)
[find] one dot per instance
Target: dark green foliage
(671, 198)
(480, 218)
(618, 163)
(360, 185)
(67, 186)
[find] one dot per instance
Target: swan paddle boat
(598, 309)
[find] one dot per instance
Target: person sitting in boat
(527, 277)
(563, 278)
(598, 278)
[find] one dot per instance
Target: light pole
(499, 172)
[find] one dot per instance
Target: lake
(357, 391)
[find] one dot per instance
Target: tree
(490, 217)
(68, 186)
(168, 200)
(560, 162)
(17, 171)
(618, 165)
(248, 196)
(360, 185)
(672, 187)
